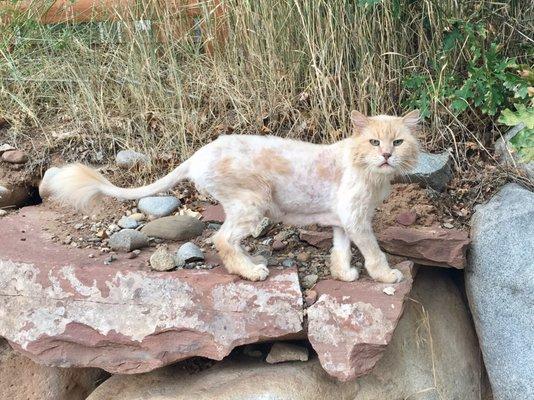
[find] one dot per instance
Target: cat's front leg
(340, 257)
(376, 263)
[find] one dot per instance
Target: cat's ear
(411, 120)
(359, 121)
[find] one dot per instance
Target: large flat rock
(60, 307)
(350, 325)
(63, 308)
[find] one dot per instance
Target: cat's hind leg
(239, 223)
(340, 257)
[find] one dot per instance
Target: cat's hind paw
(346, 275)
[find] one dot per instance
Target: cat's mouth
(385, 164)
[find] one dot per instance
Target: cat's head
(385, 144)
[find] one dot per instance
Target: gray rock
(282, 352)
(128, 240)
(262, 228)
(188, 252)
(162, 260)
(288, 263)
(500, 288)
(178, 227)
(159, 206)
(128, 223)
(507, 154)
(309, 280)
(431, 170)
(420, 363)
(127, 159)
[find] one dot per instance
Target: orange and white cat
(298, 183)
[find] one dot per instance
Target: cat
(286, 180)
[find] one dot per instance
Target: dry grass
(288, 68)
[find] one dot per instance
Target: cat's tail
(80, 186)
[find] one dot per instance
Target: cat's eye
(397, 142)
(374, 142)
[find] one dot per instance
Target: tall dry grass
(287, 67)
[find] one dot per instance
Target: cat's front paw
(256, 272)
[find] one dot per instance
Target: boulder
(22, 379)
(428, 246)
(177, 227)
(350, 325)
(158, 206)
(500, 288)
(420, 363)
(127, 159)
(431, 170)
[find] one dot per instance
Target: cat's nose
(386, 155)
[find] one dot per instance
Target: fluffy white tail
(80, 186)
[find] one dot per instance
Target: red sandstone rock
(406, 218)
(321, 240)
(62, 308)
(213, 213)
(351, 323)
(427, 246)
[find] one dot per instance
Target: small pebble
(278, 245)
(128, 223)
(310, 297)
(134, 254)
(262, 228)
(448, 225)
(303, 257)
(3, 213)
(309, 280)
(288, 263)
(187, 253)
(390, 290)
(138, 216)
(162, 259)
